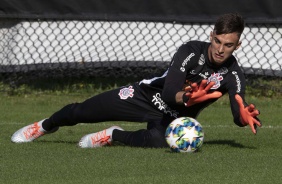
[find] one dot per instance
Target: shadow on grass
(57, 141)
(230, 143)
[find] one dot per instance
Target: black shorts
(126, 103)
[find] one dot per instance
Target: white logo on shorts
(124, 93)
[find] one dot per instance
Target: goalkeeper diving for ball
(198, 75)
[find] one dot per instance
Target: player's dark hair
(229, 23)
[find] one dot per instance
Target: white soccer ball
(184, 134)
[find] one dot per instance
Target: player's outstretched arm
(196, 94)
(248, 114)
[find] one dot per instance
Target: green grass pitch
(230, 154)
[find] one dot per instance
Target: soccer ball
(184, 134)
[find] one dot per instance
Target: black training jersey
(191, 64)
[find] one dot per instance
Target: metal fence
(91, 48)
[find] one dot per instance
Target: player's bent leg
(151, 138)
(67, 116)
(31, 132)
(98, 139)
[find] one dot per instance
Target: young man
(198, 75)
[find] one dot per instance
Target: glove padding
(248, 114)
(199, 94)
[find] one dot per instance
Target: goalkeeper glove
(196, 94)
(248, 114)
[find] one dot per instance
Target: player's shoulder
(195, 43)
(195, 46)
(233, 66)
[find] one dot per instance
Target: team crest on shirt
(124, 93)
(215, 77)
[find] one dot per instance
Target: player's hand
(248, 114)
(197, 94)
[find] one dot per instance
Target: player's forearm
(175, 98)
(179, 97)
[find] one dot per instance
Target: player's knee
(156, 139)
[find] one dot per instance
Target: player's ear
(211, 33)
(238, 45)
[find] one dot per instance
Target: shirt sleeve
(176, 76)
(236, 85)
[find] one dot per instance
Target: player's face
(222, 46)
